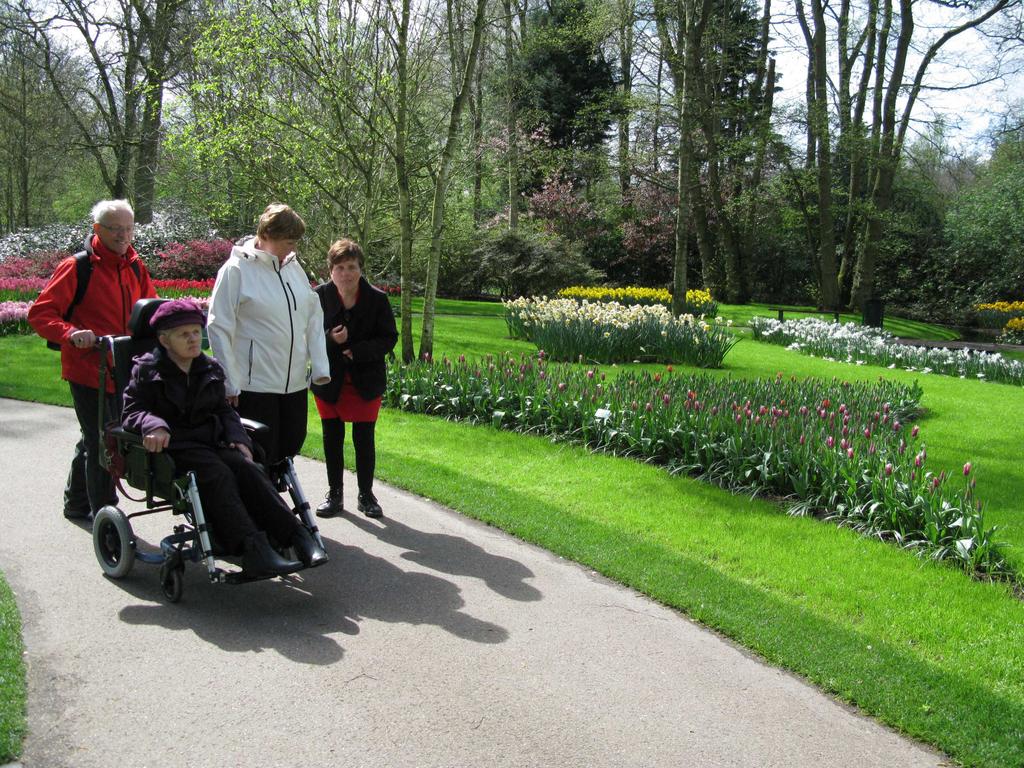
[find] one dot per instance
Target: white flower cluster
(607, 331)
(605, 313)
(170, 224)
(860, 345)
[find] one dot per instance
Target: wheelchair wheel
(114, 542)
(171, 582)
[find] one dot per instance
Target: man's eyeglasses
(118, 230)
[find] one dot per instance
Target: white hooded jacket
(265, 324)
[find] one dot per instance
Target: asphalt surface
(428, 640)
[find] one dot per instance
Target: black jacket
(372, 335)
(192, 408)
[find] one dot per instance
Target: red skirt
(351, 406)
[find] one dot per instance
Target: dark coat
(372, 335)
(192, 407)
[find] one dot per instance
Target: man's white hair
(104, 208)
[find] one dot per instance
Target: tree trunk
(682, 56)
(511, 120)
(441, 183)
(402, 178)
(627, 16)
(829, 283)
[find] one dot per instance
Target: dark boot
(261, 559)
(332, 504)
(368, 505)
(307, 549)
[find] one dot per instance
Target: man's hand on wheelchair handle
(83, 339)
(156, 440)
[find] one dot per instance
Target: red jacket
(105, 309)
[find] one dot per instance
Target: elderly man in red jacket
(117, 278)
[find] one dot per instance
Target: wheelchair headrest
(138, 323)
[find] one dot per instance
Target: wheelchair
(128, 462)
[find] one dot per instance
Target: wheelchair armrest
(124, 436)
(255, 429)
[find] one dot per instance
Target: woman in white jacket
(266, 329)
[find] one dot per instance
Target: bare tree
(894, 120)
(110, 45)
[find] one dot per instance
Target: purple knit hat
(176, 312)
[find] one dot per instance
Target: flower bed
(996, 314)
(835, 449)
(21, 288)
(612, 333)
(1013, 333)
(698, 302)
(14, 318)
(174, 289)
(860, 345)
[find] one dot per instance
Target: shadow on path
(452, 554)
(296, 615)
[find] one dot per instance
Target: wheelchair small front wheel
(114, 542)
(171, 581)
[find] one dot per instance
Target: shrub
(524, 263)
(609, 332)
(837, 449)
(193, 260)
(34, 264)
(63, 238)
(34, 252)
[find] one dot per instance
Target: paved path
(428, 640)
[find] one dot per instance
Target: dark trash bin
(873, 312)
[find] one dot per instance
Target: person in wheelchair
(176, 400)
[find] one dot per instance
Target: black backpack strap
(83, 271)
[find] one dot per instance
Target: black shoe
(77, 513)
(307, 549)
(331, 505)
(368, 505)
(261, 559)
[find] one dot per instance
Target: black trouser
(89, 486)
(334, 454)
(286, 415)
(238, 497)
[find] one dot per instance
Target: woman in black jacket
(361, 332)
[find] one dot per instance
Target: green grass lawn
(12, 677)
(908, 329)
(740, 314)
(918, 645)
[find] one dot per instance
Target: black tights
(334, 456)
